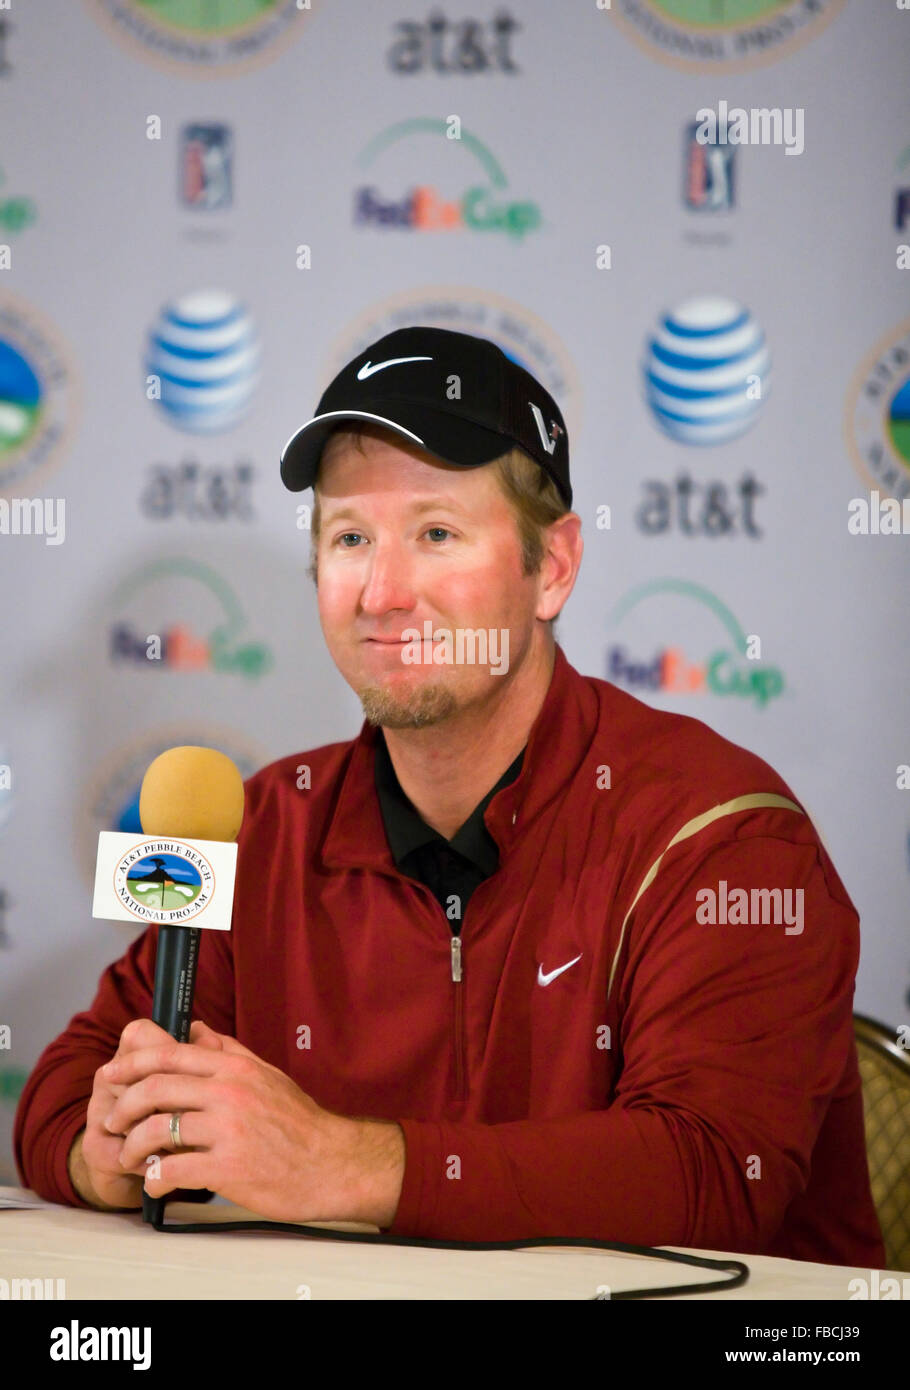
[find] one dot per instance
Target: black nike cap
(457, 396)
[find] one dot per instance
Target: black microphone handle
(172, 1008)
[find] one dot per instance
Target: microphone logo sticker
(168, 881)
(164, 881)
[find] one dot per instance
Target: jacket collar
(407, 831)
(558, 743)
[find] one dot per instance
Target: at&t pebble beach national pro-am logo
(877, 422)
(205, 38)
(721, 35)
(706, 371)
(164, 881)
(37, 398)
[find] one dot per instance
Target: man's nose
(389, 579)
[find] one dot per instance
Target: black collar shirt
(452, 869)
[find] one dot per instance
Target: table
(114, 1255)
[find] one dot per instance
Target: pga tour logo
(164, 881)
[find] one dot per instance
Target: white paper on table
(19, 1198)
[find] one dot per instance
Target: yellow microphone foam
(192, 794)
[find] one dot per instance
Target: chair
(885, 1071)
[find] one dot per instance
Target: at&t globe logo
(203, 361)
(706, 371)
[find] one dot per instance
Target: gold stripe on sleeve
(692, 827)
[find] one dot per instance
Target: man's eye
(440, 529)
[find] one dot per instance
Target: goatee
(415, 710)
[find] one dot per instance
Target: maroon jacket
(679, 1083)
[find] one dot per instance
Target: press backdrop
(234, 198)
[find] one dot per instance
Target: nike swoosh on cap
(543, 979)
(369, 368)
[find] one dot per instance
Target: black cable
(739, 1271)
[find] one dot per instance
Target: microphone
(190, 794)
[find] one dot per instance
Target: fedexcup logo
(706, 371)
(16, 211)
(179, 614)
(164, 881)
(485, 205)
(203, 361)
(731, 663)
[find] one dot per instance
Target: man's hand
(94, 1158)
(247, 1132)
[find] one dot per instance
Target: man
(475, 986)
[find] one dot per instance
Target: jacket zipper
(456, 958)
(457, 973)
